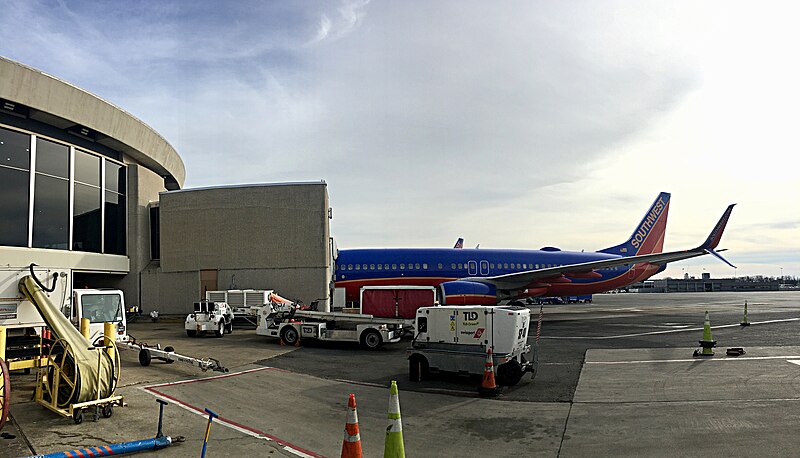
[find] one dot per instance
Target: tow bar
(149, 352)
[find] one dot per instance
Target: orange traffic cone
(488, 386)
(351, 445)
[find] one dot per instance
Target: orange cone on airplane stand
(351, 445)
(488, 386)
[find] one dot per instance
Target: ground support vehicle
(216, 317)
(456, 339)
(288, 323)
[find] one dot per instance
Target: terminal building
(96, 195)
(706, 284)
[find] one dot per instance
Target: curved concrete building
(76, 177)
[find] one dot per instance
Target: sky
(510, 124)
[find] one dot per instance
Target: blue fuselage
(432, 266)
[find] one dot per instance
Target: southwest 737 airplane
(489, 276)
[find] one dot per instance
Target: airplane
(490, 276)
(459, 243)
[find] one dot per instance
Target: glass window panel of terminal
(87, 219)
(87, 168)
(115, 209)
(52, 158)
(14, 187)
(115, 177)
(51, 212)
(15, 149)
(114, 229)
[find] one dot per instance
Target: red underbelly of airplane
(639, 273)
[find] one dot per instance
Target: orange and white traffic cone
(488, 386)
(351, 445)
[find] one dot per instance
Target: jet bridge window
(453, 266)
(440, 266)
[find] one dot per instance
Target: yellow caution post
(744, 320)
(85, 327)
(393, 446)
(3, 342)
(110, 337)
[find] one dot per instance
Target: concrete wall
(259, 236)
(169, 293)
(144, 187)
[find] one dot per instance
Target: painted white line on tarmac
(794, 361)
(670, 331)
(289, 447)
(688, 360)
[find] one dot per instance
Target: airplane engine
(462, 292)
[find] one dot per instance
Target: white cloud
(511, 124)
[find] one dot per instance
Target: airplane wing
(520, 280)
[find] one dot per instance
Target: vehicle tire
(220, 329)
(191, 333)
(169, 349)
(417, 368)
(371, 339)
(144, 357)
(77, 417)
(289, 335)
(509, 374)
(108, 411)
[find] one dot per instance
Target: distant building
(705, 285)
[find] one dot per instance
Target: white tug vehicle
(216, 317)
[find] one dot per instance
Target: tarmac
(616, 377)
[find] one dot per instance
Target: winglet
(716, 234)
(718, 256)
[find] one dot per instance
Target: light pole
(781, 281)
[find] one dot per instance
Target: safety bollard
(3, 342)
(110, 336)
(85, 327)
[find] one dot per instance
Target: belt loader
(287, 322)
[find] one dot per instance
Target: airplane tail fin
(459, 243)
(649, 234)
(716, 235)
